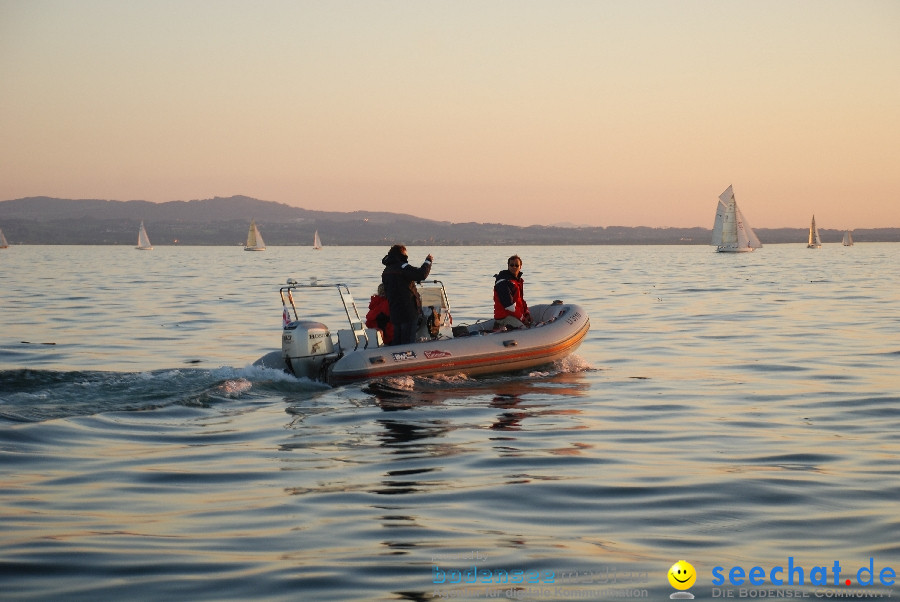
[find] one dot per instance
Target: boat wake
(40, 395)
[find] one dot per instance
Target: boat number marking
(573, 318)
(437, 354)
(401, 356)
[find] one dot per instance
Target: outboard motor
(305, 344)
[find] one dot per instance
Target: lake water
(733, 411)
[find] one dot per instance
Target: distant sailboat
(254, 239)
(848, 239)
(814, 241)
(143, 240)
(731, 231)
(317, 242)
(3, 241)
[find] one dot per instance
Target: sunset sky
(600, 112)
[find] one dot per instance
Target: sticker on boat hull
(435, 354)
(402, 356)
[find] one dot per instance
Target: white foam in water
(234, 387)
(258, 374)
(571, 364)
(404, 383)
(451, 378)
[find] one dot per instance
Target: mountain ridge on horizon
(224, 221)
(233, 207)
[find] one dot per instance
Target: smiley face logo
(682, 575)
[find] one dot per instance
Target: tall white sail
(317, 242)
(746, 236)
(143, 242)
(3, 241)
(731, 231)
(723, 212)
(254, 238)
(848, 239)
(814, 241)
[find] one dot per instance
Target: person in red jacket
(510, 308)
(379, 315)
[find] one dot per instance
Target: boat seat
(347, 342)
(375, 338)
(433, 296)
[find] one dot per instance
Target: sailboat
(317, 242)
(143, 240)
(848, 239)
(254, 239)
(731, 231)
(814, 241)
(3, 241)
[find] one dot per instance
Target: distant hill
(45, 209)
(224, 221)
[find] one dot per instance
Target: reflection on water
(732, 411)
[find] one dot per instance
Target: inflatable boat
(355, 353)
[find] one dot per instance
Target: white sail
(254, 238)
(3, 241)
(848, 239)
(746, 236)
(317, 242)
(143, 243)
(814, 241)
(731, 231)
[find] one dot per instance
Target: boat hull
(562, 329)
(734, 249)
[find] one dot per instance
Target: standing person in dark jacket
(399, 279)
(510, 308)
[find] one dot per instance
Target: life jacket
(379, 317)
(509, 290)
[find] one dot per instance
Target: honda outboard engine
(305, 345)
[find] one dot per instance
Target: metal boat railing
(357, 326)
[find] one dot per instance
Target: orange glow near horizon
(589, 113)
